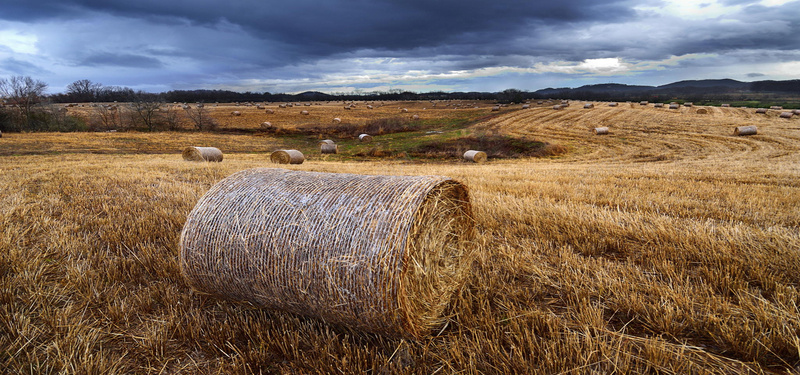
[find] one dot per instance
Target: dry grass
(668, 246)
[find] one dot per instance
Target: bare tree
(83, 90)
(146, 110)
(23, 93)
(200, 117)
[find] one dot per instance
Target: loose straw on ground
(287, 157)
(475, 156)
(202, 154)
(745, 130)
(382, 254)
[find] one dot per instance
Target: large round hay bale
(688, 104)
(601, 131)
(287, 157)
(475, 156)
(192, 153)
(761, 110)
(745, 130)
(365, 138)
(796, 112)
(701, 111)
(236, 113)
(658, 105)
(612, 104)
(588, 105)
(674, 106)
(787, 114)
(328, 141)
(557, 107)
(328, 148)
(305, 113)
(382, 254)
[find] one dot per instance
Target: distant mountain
(689, 88)
(313, 95)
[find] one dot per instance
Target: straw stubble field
(667, 246)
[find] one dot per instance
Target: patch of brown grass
(591, 263)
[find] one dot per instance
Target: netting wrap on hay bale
(287, 157)
(328, 148)
(382, 254)
(745, 130)
(475, 156)
(202, 154)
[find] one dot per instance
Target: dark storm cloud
(125, 60)
(20, 67)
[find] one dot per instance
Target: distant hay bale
(658, 105)
(557, 107)
(328, 148)
(383, 254)
(266, 125)
(674, 106)
(236, 113)
(796, 112)
(475, 156)
(328, 141)
(601, 131)
(270, 111)
(365, 138)
(725, 105)
(612, 104)
(688, 104)
(643, 102)
(526, 106)
(787, 114)
(281, 105)
(287, 157)
(304, 112)
(404, 110)
(415, 117)
(370, 107)
(496, 108)
(761, 110)
(588, 105)
(701, 111)
(202, 154)
(337, 120)
(776, 107)
(745, 130)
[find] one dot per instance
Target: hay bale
(688, 104)
(304, 113)
(337, 120)
(674, 106)
(328, 148)
(761, 110)
(776, 107)
(365, 138)
(612, 104)
(415, 117)
(557, 107)
(658, 105)
(787, 114)
(270, 111)
(266, 125)
(796, 112)
(745, 130)
(526, 106)
(383, 254)
(287, 157)
(475, 156)
(588, 105)
(328, 141)
(701, 111)
(192, 153)
(404, 110)
(643, 102)
(726, 105)
(236, 113)
(496, 108)
(601, 131)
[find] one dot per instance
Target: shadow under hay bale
(202, 154)
(287, 157)
(745, 130)
(475, 156)
(601, 131)
(383, 254)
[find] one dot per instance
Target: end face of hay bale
(287, 157)
(193, 153)
(326, 245)
(601, 131)
(745, 130)
(475, 156)
(701, 111)
(365, 138)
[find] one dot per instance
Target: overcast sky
(378, 45)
